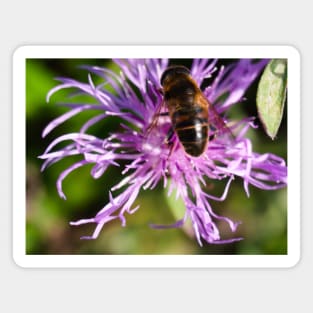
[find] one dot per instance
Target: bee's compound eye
(172, 71)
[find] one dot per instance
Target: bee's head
(172, 72)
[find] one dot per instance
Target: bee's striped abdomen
(191, 126)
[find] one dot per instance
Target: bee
(187, 108)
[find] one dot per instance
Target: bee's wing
(156, 116)
(218, 126)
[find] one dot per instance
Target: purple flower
(135, 97)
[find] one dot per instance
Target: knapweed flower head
(147, 156)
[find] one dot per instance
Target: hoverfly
(190, 112)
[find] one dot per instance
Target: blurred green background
(263, 215)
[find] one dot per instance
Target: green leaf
(271, 95)
(39, 80)
(178, 210)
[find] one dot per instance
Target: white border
(156, 261)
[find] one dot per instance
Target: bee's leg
(169, 137)
(170, 142)
(173, 146)
(155, 118)
(212, 137)
(160, 90)
(213, 132)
